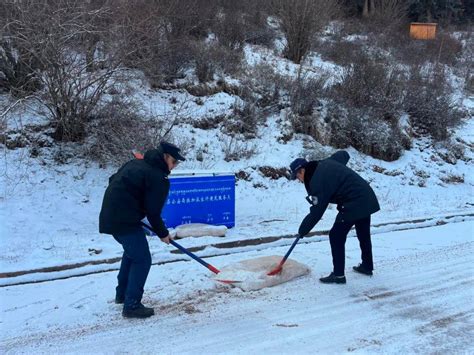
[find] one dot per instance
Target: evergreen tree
(436, 10)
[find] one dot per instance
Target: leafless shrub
(244, 120)
(456, 148)
(428, 102)
(452, 150)
(452, 179)
(378, 169)
(242, 175)
(263, 85)
(205, 68)
(120, 126)
(447, 49)
(167, 64)
(18, 71)
(229, 61)
(444, 49)
(230, 30)
(235, 149)
(209, 122)
(352, 25)
(155, 36)
(310, 125)
(338, 51)
(365, 133)
(257, 30)
(187, 18)
(469, 82)
(52, 34)
(301, 20)
(32, 136)
(207, 89)
(212, 58)
(393, 173)
(274, 173)
(72, 94)
(141, 32)
(14, 140)
(237, 22)
(3, 129)
(304, 93)
(174, 58)
(465, 62)
(421, 174)
(117, 130)
(387, 15)
(372, 85)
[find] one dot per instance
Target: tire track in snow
(440, 295)
(388, 306)
(434, 295)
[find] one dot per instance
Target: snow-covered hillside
(50, 212)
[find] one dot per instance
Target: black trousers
(136, 263)
(338, 236)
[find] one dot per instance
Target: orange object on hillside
(419, 30)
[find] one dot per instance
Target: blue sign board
(201, 199)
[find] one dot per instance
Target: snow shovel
(194, 256)
(278, 269)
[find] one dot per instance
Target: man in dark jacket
(331, 181)
(139, 189)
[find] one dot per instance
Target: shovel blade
(253, 273)
(275, 271)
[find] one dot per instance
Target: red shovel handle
(278, 269)
(137, 154)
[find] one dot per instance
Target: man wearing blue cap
(331, 181)
(137, 190)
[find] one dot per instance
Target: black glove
(312, 200)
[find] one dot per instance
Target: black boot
(333, 279)
(361, 269)
(138, 312)
(119, 298)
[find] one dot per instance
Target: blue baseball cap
(296, 165)
(172, 150)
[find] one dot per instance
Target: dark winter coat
(138, 189)
(331, 181)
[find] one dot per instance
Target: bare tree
(17, 65)
(387, 14)
(156, 35)
(17, 68)
(300, 20)
(52, 32)
(365, 10)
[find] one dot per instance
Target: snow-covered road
(419, 300)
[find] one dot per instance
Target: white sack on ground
(199, 230)
(253, 272)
